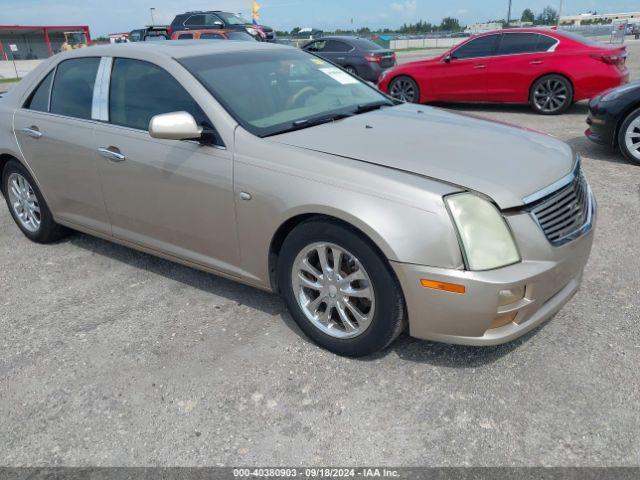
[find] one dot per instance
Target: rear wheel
(551, 95)
(27, 206)
(339, 290)
(405, 89)
(629, 137)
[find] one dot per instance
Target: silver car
(269, 166)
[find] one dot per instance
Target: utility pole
(560, 12)
(153, 22)
(509, 14)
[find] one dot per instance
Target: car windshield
(274, 91)
(364, 44)
(576, 37)
(232, 19)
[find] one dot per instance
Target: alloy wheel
(404, 90)
(551, 95)
(333, 290)
(24, 202)
(632, 138)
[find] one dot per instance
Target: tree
(450, 24)
(528, 16)
(549, 16)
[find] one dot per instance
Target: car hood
(503, 162)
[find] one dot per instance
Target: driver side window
(478, 48)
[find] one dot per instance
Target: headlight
(486, 239)
(252, 31)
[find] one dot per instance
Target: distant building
(590, 18)
(476, 28)
(25, 42)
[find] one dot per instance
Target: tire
(384, 310)
(631, 124)
(352, 70)
(551, 95)
(41, 228)
(405, 89)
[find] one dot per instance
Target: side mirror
(448, 58)
(218, 24)
(175, 126)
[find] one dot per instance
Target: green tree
(528, 16)
(549, 16)
(450, 24)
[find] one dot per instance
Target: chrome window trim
(100, 105)
(53, 80)
(496, 55)
(554, 187)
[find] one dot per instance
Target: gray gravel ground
(112, 357)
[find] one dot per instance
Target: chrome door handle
(112, 155)
(536, 62)
(32, 132)
(480, 67)
(340, 58)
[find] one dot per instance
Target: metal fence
(611, 33)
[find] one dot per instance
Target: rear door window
(186, 36)
(337, 46)
(132, 103)
(478, 48)
(517, 43)
(72, 93)
(39, 99)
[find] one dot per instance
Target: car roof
(171, 49)
(339, 37)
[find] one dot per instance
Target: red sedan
(548, 69)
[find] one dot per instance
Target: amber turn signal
(447, 287)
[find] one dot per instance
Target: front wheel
(339, 290)
(551, 95)
(405, 89)
(629, 137)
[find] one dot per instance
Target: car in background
(152, 33)
(614, 120)
(358, 56)
(216, 19)
(546, 68)
(212, 35)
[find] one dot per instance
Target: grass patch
(9, 80)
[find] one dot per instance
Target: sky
(111, 16)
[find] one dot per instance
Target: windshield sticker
(339, 76)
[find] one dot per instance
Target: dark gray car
(358, 56)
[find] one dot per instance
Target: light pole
(151, 10)
(560, 12)
(509, 14)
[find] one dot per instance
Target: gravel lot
(111, 357)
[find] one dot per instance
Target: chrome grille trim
(565, 213)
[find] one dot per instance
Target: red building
(36, 42)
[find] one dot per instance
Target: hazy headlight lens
(511, 296)
(485, 236)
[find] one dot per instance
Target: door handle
(340, 58)
(536, 62)
(32, 132)
(112, 154)
(480, 67)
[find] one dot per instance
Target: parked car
(217, 19)
(152, 33)
(548, 69)
(212, 35)
(269, 166)
(358, 56)
(614, 120)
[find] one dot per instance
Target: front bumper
(466, 319)
(602, 124)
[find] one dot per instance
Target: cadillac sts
(272, 167)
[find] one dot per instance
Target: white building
(476, 28)
(630, 17)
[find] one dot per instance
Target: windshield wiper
(311, 122)
(370, 107)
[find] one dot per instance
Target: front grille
(565, 213)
